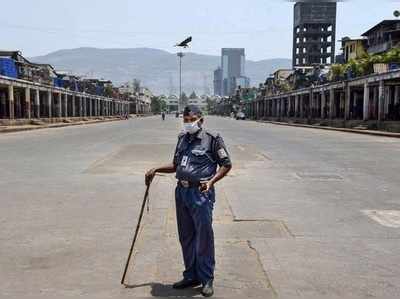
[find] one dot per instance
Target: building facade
(383, 37)
(218, 81)
(200, 102)
(243, 82)
(37, 91)
(140, 99)
(314, 33)
(172, 103)
(233, 62)
(144, 103)
(353, 48)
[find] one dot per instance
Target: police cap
(192, 109)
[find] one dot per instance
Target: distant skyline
(263, 27)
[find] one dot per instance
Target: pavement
(347, 130)
(37, 125)
(305, 213)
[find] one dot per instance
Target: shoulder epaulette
(212, 134)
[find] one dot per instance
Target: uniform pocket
(198, 198)
(202, 198)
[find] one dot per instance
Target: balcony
(379, 48)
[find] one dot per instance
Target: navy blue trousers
(196, 235)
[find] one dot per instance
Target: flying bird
(185, 43)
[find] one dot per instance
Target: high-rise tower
(314, 32)
(233, 62)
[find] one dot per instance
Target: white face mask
(191, 128)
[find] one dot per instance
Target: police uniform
(197, 158)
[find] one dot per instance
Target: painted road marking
(388, 218)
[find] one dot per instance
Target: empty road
(305, 213)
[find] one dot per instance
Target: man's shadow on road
(166, 291)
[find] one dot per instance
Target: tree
(337, 72)
(158, 105)
(163, 105)
(363, 65)
(136, 85)
(193, 95)
(108, 91)
(211, 105)
(185, 99)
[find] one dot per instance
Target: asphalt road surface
(305, 213)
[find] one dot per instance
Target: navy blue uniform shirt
(198, 156)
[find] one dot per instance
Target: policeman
(200, 160)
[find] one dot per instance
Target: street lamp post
(180, 55)
(184, 44)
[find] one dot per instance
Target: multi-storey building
(218, 81)
(383, 36)
(314, 32)
(233, 62)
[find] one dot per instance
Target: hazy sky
(263, 27)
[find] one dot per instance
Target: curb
(51, 126)
(355, 131)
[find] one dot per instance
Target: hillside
(157, 69)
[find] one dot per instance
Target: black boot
(186, 283)
(208, 289)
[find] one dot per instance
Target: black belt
(187, 184)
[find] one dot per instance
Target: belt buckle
(185, 184)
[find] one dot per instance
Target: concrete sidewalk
(68, 123)
(356, 131)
